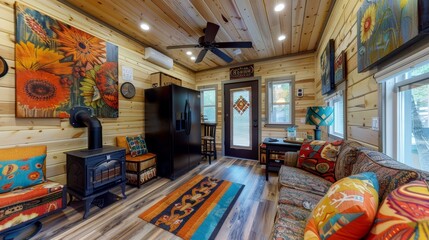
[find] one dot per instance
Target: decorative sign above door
(241, 72)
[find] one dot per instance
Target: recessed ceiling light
(281, 37)
(145, 26)
(279, 7)
(189, 53)
(193, 58)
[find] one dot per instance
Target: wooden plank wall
(362, 89)
(301, 66)
(58, 134)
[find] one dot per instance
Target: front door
(241, 101)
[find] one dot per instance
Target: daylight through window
(280, 101)
(208, 105)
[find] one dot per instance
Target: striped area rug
(197, 209)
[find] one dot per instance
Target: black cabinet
(173, 129)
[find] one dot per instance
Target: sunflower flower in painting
(29, 57)
(84, 47)
(107, 81)
(40, 90)
(403, 3)
(89, 90)
(100, 86)
(368, 23)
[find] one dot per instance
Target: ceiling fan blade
(201, 55)
(210, 32)
(233, 44)
(183, 46)
(221, 54)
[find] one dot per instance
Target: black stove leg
(71, 199)
(87, 206)
(123, 190)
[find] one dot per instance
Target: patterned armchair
(25, 194)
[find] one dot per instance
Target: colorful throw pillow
(121, 141)
(318, 157)
(347, 211)
(137, 145)
(21, 173)
(404, 213)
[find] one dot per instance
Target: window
(337, 101)
(406, 111)
(208, 104)
(280, 101)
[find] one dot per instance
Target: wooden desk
(279, 145)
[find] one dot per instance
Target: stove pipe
(83, 116)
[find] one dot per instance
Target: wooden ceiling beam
(286, 26)
(297, 21)
(275, 26)
(308, 26)
(248, 17)
(182, 22)
(320, 22)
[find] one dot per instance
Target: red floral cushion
(319, 157)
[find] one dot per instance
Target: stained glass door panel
(241, 119)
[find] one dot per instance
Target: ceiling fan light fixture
(189, 53)
(279, 7)
(145, 26)
(281, 37)
(208, 43)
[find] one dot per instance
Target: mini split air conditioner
(158, 58)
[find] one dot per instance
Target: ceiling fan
(207, 42)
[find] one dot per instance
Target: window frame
(393, 111)
(340, 92)
(268, 100)
(390, 95)
(208, 88)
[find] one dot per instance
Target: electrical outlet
(374, 123)
(302, 120)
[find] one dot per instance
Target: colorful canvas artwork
(340, 68)
(327, 67)
(59, 67)
(383, 27)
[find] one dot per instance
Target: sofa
(301, 192)
(26, 195)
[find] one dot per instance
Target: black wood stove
(92, 172)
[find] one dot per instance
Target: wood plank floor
(251, 217)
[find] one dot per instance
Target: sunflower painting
(383, 27)
(59, 67)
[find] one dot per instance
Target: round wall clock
(3, 67)
(128, 90)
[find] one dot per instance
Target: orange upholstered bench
(139, 169)
(26, 196)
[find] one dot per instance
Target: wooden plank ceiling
(179, 22)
